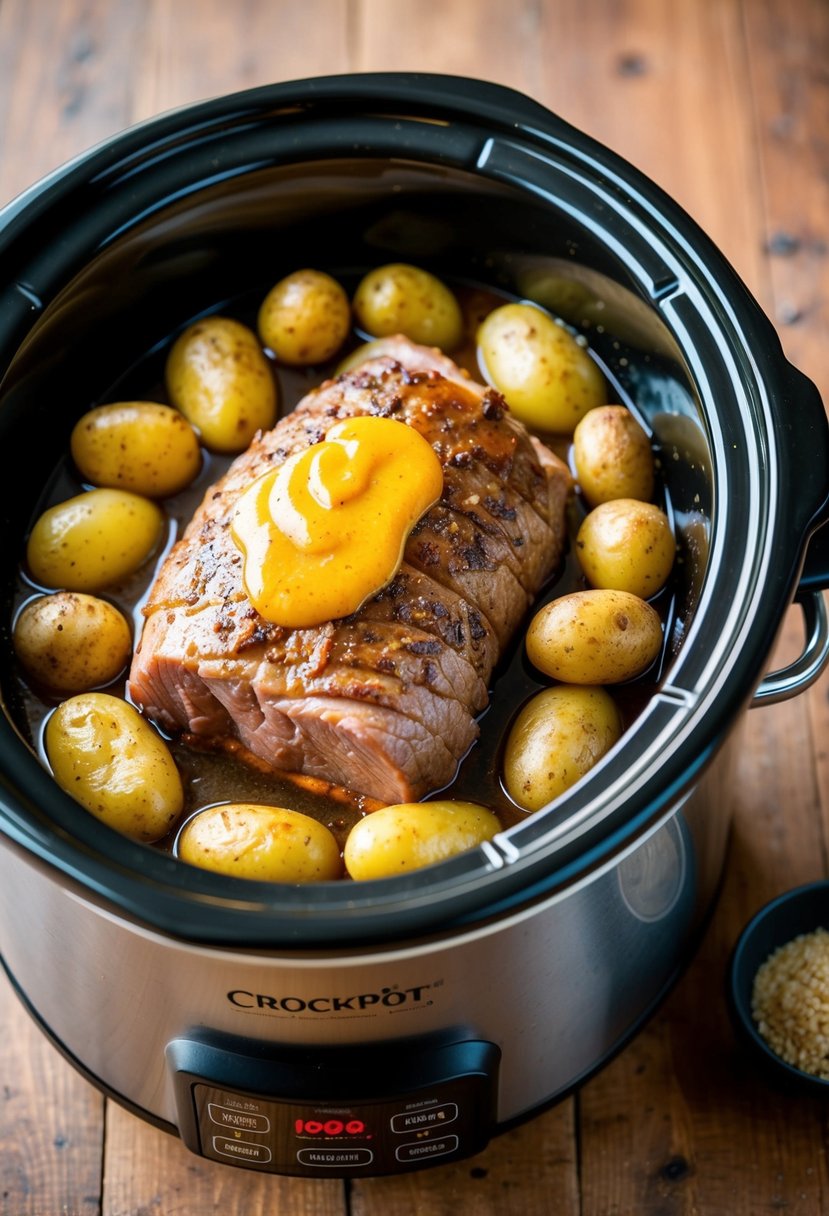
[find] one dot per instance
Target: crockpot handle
(799, 675)
(815, 572)
(806, 430)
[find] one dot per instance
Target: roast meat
(383, 702)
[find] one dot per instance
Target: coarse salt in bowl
(778, 988)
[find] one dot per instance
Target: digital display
(331, 1127)
(437, 1106)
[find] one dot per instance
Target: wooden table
(725, 103)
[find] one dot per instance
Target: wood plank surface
(725, 103)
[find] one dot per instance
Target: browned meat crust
(383, 701)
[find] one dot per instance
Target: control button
(239, 1120)
(422, 1149)
(244, 1150)
(338, 1158)
(435, 1116)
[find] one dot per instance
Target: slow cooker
(358, 1029)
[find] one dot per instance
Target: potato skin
(94, 539)
(141, 446)
(401, 299)
(409, 835)
(612, 456)
(548, 379)
(71, 642)
(366, 350)
(594, 637)
(626, 545)
(266, 843)
(557, 737)
(109, 758)
(217, 375)
(304, 318)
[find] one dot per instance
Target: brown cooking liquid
(213, 774)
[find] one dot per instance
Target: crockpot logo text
(389, 998)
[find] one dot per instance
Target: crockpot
(357, 1029)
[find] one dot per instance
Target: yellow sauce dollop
(326, 531)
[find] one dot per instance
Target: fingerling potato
(547, 377)
(403, 299)
(141, 446)
(267, 843)
(626, 545)
(409, 835)
(557, 737)
(111, 761)
(304, 318)
(72, 642)
(94, 539)
(217, 375)
(367, 350)
(612, 456)
(594, 637)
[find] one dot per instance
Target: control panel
(348, 1111)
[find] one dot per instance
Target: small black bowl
(799, 911)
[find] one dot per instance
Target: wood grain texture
(51, 1124)
(530, 1171)
(149, 1172)
(192, 49)
(725, 104)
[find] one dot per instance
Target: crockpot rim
(141, 880)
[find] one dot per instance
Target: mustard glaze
(327, 530)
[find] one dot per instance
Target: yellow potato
(548, 378)
(268, 843)
(367, 350)
(410, 835)
(556, 739)
(71, 642)
(612, 456)
(109, 758)
(305, 318)
(403, 299)
(136, 445)
(218, 376)
(626, 545)
(594, 637)
(93, 540)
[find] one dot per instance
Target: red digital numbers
(331, 1127)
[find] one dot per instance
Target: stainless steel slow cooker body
(360, 1029)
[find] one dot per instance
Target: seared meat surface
(383, 701)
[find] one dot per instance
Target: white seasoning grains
(790, 1002)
